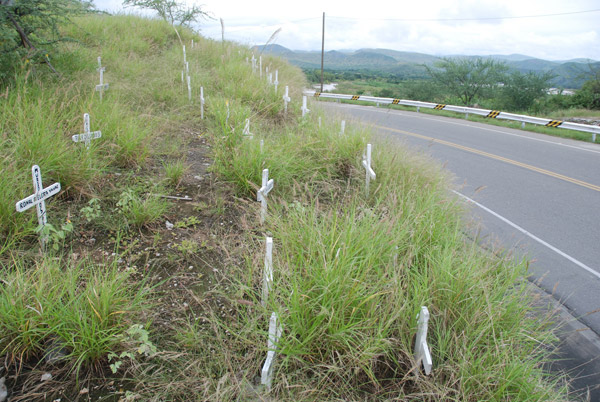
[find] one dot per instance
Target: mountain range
(410, 65)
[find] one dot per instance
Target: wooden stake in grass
(286, 99)
(37, 199)
(87, 136)
(261, 194)
(343, 127)
(422, 354)
(268, 271)
(102, 86)
(184, 56)
(305, 109)
(370, 174)
(276, 82)
(201, 103)
(246, 132)
(189, 85)
(275, 330)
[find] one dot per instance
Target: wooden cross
(275, 330)
(370, 174)
(305, 109)
(276, 82)
(246, 132)
(268, 271)
(38, 197)
(343, 128)
(286, 98)
(422, 354)
(261, 194)
(87, 136)
(184, 58)
(102, 86)
(253, 63)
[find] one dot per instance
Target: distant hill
(407, 65)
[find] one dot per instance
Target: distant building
(560, 91)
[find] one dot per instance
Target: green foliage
(520, 91)
(55, 237)
(467, 78)
(140, 210)
(174, 12)
(92, 211)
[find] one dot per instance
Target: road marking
(448, 120)
(496, 157)
(532, 236)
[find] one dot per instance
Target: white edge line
(400, 112)
(534, 237)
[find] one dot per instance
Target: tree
(173, 12)
(589, 94)
(520, 90)
(29, 28)
(467, 78)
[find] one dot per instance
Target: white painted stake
(182, 81)
(184, 58)
(187, 68)
(37, 199)
(319, 121)
(246, 132)
(268, 272)
(192, 43)
(370, 174)
(343, 127)
(201, 103)
(262, 144)
(286, 99)
(261, 194)
(87, 136)
(102, 86)
(275, 330)
(253, 63)
(304, 108)
(260, 65)
(189, 84)
(276, 82)
(270, 78)
(422, 354)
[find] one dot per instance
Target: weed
(174, 172)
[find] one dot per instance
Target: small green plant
(187, 222)
(139, 339)
(174, 172)
(56, 237)
(188, 247)
(140, 211)
(92, 211)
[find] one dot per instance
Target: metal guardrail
(494, 114)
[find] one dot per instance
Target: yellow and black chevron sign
(554, 123)
(317, 94)
(439, 106)
(355, 97)
(493, 114)
(396, 102)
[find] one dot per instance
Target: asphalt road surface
(537, 195)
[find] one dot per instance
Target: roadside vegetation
(150, 286)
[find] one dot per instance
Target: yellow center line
(496, 157)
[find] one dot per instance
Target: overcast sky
(548, 29)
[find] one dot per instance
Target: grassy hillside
(151, 284)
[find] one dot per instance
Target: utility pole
(322, 51)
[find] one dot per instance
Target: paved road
(536, 194)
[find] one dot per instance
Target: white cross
(370, 174)
(87, 136)
(187, 68)
(286, 98)
(262, 144)
(319, 121)
(253, 63)
(246, 131)
(184, 58)
(202, 103)
(182, 81)
(270, 78)
(275, 330)
(276, 82)
(192, 43)
(261, 194)
(189, 84)
(343, 128)
(268, 271)
(102, 86)
(421, 348)
(260, 66)
(38, 197)
(304, 108)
